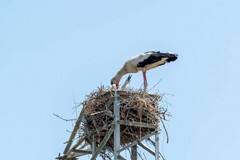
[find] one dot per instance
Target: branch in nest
(165, 129)
(155, 85)
(67, 120)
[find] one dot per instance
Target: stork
(143, 62)
(127, 81)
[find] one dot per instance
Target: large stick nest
(135, 106)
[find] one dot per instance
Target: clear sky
(55, 51)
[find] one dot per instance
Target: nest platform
(138, 119)
(139, 115)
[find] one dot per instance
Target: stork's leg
(144, 81)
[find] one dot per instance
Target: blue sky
(52, 52)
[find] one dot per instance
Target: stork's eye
(112, 82)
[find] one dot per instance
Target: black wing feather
(155, 57)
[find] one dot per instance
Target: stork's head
(114, 82)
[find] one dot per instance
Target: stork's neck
(119, 74)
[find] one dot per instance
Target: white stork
(127, 81)
(143, 62)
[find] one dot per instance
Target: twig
(64, 118)
(155, 85)
(165, 129)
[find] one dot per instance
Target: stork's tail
(169, 55)
(157, 55)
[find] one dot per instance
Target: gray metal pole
(157, 144)
(157, 157)
(93, 144)
(116, 127)
(134, 152)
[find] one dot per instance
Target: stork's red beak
(117, 85)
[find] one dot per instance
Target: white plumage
(143, 62)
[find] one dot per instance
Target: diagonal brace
(102, 144)
(74, 132)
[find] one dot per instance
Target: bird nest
(139, 115)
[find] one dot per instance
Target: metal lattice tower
(72, 152)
